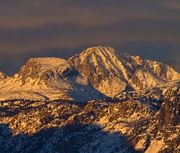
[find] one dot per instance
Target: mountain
(112, 73)
(95, 73)
(98, 101)
(47, 78)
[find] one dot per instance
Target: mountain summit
(112, 73)
(42, 70)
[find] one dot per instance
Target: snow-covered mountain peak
(111, 73)
(104, 68)
(43, 68)
(48, 78)
(46, 63)
(98, 50)
(96, 54)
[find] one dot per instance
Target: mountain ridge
(97, 101)
(96, 69)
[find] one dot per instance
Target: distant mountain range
(97, 101)
(95, 73)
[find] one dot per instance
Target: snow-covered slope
(47, 78)
(111, 73)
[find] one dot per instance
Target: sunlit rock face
(103, 68)
(112, 73)
(2, 76)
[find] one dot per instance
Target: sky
(61, 28)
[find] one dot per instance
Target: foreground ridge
(119, 125)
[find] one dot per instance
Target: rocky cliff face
(170, 110)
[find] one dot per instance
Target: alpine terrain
(98, 101)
